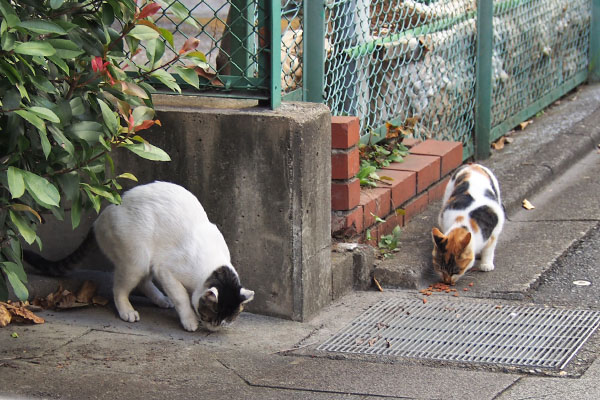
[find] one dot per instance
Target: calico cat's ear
(211, 295)
(438, 238)
(465, 240)
(246, 295)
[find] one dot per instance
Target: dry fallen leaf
(499, 144)
(86, 292)
(99, 301)
(5, 316)
(524, 124)
(22, 314)
(63, 299)
(411, 122)
(377, 284)
(392, 130)
(527, 205)
(18, 312)
(66, 301)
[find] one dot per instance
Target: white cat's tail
(64, 265)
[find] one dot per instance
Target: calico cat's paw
(129, 316)
(486, 267)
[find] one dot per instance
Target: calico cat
(471, 220)
(161, 232)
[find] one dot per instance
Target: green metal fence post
(271, 59)
(238, 40)
(483, 86)
(594, 67)
(313, 68)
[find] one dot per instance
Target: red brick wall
(416, 182)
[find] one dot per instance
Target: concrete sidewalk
(91, 353)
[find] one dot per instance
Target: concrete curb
(523, 168)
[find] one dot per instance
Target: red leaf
(110, 78)
(149, 10)
(98, 65)
(189, 45)
(212, 77)
(130, 121)
(144, 125)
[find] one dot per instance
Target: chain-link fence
(414, 63)
(292, 47)
(236, 38)
(538, 46)
(398, 61)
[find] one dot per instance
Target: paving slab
(555, 389)
(372, 379)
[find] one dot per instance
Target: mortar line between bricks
(247, 382)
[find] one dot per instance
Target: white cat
(161, 232)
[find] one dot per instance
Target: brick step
(415, 183)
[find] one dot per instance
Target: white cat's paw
(486, 267)
(190, 324)
(129, 316)
(165, 302)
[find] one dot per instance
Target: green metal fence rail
(467, 70)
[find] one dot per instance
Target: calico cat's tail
(64, 265)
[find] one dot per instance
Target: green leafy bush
(70, 94)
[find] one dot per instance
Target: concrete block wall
(263, 177)
(416, 182)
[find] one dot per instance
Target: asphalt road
(580, 263)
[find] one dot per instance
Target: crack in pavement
(47, 352)
(506, 389)
(277, 387)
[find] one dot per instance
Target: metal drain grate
(477, 333)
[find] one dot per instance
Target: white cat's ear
(211, 295)
(246, 295)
